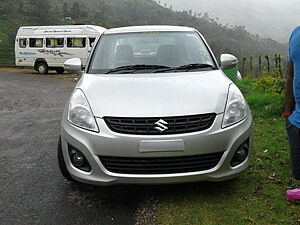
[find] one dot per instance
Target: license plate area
(162, 146)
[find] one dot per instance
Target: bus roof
(61, 30)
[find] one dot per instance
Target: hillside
(269, 18)
(114, 13)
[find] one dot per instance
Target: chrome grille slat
(145, 126)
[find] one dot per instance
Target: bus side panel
(79, 52)
(26, 56)
(56, 56)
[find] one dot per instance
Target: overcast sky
(268, 18)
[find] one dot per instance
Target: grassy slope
(8, 29)
(5, 48)
(257, 196)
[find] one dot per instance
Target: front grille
(162, 165)
(146, 126)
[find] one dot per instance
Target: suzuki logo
(161, 125)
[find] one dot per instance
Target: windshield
(148, 52)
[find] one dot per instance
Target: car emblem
(161, 125)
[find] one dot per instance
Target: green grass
(9, 26)
(254, 198)
(6, 48)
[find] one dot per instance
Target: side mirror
(228, 61)
(73, 66)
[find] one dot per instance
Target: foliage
(271, 84)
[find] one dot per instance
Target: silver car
(154, 107)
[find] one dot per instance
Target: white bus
(48, 47)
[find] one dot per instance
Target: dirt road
(32, 191)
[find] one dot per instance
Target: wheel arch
(38, 60)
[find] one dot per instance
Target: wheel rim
(42, 68)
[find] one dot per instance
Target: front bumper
(108, 143)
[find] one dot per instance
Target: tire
(42, 68)
(61, 163)
(60, 70)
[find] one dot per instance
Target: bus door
(21, 51)
(32, 51)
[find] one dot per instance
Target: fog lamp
(241, 154)
(78, 160)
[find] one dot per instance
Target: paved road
(32, 191)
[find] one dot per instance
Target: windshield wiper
(133, 68)
(187, 67)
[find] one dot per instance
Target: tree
(44, 11)
(66, 10)
(40, 9)
(75, 10)
(78, 10)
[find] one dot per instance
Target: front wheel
(42, 68)
(61, 162)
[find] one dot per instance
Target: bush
(270, 84)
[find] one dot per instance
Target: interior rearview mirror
(74, 66)
(228, 61)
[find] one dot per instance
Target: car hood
(156, 95)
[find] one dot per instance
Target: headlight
(80, 113)
(236, 108)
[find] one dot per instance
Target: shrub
(270, 84)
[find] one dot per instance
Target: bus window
(76, 42)
(22, 42)
(54, 42)
(92, 40)
(35, 42)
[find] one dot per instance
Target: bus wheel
(60, 70)
(42, 68)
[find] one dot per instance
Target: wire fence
(265, 64)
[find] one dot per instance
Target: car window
(170, 49)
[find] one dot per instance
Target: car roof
(150, 28)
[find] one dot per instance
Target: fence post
(266, 56)
(276, 64)
(251, 65)
(244, 61)
(280, 65)
(260, 65)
